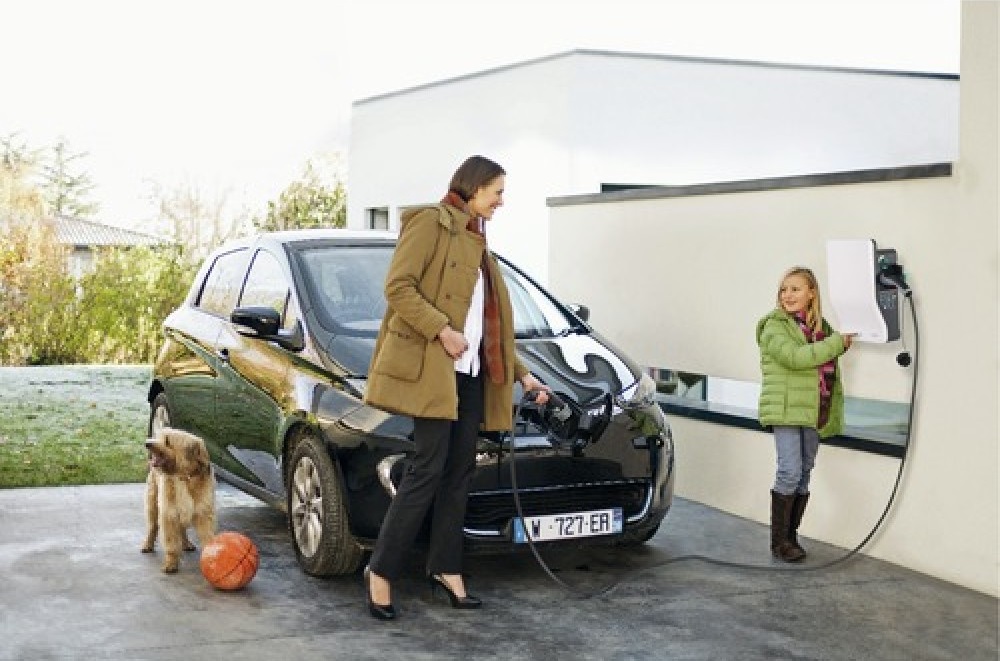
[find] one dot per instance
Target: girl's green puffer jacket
(789, 393)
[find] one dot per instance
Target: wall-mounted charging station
(864, 283)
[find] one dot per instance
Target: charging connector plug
(891, 275)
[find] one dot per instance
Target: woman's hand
(454, 343)
(530, 383)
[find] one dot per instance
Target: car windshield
(347, 283)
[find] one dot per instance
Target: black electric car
(266, 359)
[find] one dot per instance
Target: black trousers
(438, 477)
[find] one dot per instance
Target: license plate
(573, 525)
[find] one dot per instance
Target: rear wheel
(317, 512)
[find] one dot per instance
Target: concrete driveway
(73, 585)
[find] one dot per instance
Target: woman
(801, 398)
(445, 355)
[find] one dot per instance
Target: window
(266, 285)
(346, 284)
(870, 425)
(377, 218)
(223, 282)
(535, 314)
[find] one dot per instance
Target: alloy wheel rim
(307, 507)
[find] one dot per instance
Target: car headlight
(639, 395)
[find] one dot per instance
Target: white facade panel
(689, 122)
(405, 147)
(568, 123)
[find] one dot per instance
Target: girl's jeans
(796, 449)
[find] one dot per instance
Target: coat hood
(448, 216)
(777, 314)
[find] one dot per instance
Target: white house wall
(566, 124)
(679, 282)
(405, 147)
(647, 121)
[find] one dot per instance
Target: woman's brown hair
(814, 316)
(475, 172)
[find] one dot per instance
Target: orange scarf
(492, 351)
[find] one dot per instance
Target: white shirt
(468, 362)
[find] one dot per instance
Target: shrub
(125, 299)
(37, 298)
(113, 314)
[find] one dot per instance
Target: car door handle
(223, 355)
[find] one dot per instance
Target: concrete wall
(707, 267)
(565, 124)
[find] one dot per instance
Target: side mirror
(582, 311)
(265, 323)
(256, 320)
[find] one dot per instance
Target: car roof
(326, 235)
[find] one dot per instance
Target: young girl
(801, 398)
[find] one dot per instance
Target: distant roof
(80, 233)
(666, 58)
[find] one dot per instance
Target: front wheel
(317, 512)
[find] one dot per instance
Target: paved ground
(73, 585)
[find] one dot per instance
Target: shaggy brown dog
(180, 492)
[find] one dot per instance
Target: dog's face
(177, 452)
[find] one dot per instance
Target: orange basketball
(229, 561)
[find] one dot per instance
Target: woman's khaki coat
(429, 285)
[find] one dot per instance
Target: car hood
(583, 366)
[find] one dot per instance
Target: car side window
(266, 285)
(535, 315)
(223, 282)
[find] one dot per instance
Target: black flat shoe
(467, 602)
(378, 611)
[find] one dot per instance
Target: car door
(253, 382)
(192, 361)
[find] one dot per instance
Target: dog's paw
(188, 546)
(147, 548)
(170, 568)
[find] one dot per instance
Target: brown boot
(781, 513)
(798, 507)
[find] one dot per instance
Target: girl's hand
(530, 383)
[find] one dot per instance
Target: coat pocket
(402, 353)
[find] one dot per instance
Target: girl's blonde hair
(814, 315)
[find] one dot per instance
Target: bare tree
(198, 221)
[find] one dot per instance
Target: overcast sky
(234, 96)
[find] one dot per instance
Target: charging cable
(908, 295)
(528, 397)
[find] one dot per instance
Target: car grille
(493, 510)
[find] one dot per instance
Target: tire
(317, 512)
(159, 414)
